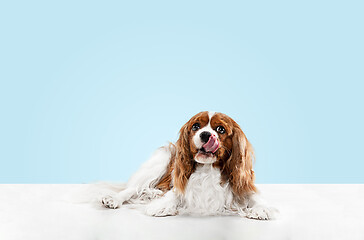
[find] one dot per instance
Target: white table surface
(306, 212)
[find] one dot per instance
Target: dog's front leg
(258, 209)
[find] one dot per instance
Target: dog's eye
(220, 129)
(195, 127)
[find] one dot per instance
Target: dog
(208, 171)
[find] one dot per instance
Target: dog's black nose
(205, 136)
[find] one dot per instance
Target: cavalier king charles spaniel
(209, 171)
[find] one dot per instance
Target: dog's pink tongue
(212, 145)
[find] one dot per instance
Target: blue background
(89, 89)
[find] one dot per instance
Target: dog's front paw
(109, 202)
(158, 209)
(261, 212)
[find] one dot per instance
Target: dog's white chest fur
(204, 194)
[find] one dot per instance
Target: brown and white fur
(183, 178)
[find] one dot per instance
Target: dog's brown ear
(184, 164)
(239, 166)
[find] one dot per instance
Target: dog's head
(215, 138)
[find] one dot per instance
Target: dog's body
(208, 172)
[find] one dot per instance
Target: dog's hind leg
(142, 184)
